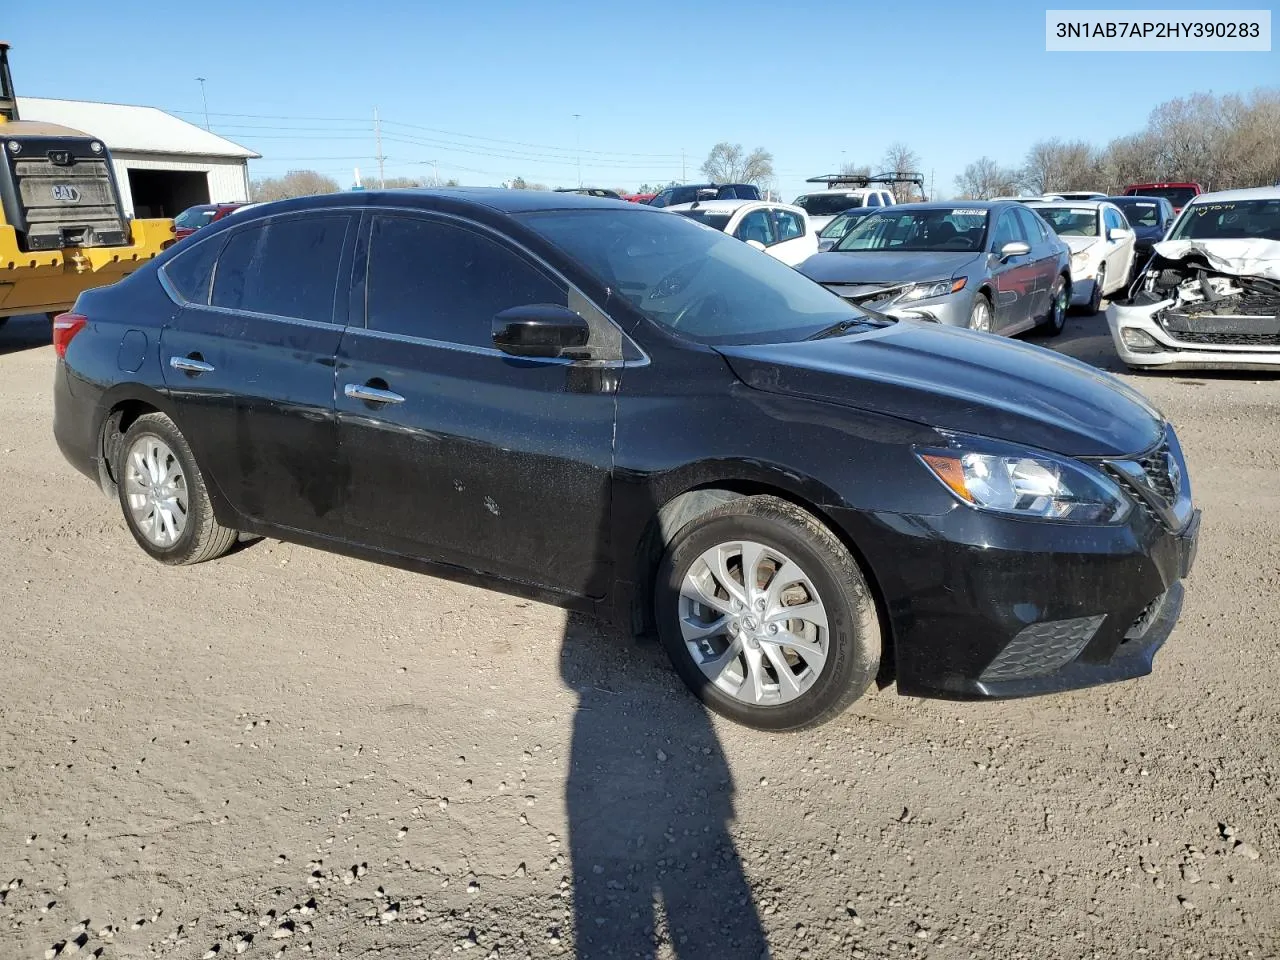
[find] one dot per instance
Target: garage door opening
(166, 193)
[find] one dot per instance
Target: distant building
(162, 164)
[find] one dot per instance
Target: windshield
(692, 280)
(1140, 213)
(961, 229)
(1229, 220)
(716, 221)
(1071, 222)
(826, 204)
(841, 225)
(195, 217)
(1178, 196)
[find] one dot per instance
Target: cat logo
(66, 193)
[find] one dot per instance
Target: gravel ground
(286, 753)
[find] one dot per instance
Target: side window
(443, 282)
(191, 272)
(1007, 231)
(790, 226)
(284, 268)
(1115, 220)
(1031, 226)
(873, 200)
(756, 225)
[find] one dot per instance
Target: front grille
(1042, 648)
(1156, 466)
(68, 204)
(1228, 339)
(1136, 495)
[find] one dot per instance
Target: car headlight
(1026, 483)
(931, 288)
(1080, 260)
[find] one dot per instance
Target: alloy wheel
(753, 622)
(980, 317)
(156, 491)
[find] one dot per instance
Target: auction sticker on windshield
(966, 212)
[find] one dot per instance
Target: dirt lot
(286, 753)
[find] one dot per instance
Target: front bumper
(1167, 352)
(951, 311)
(982, 606)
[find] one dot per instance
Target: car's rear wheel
(766, 616)
(1095, 301)
(980, 314)
(163, 495)
(1059, 300)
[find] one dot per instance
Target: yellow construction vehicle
(62, 227)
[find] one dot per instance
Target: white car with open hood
(1211, 295)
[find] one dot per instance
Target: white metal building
(162, 164)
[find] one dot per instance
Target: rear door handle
(360, 391)
(190, 365)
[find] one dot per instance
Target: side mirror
(540, 330)
(1014, 248)
(825, 245)
(1119, 233)
(755, 243)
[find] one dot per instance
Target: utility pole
(932, 195)
(206, 102)
(577, 136)
(683, 176)
(377, 132)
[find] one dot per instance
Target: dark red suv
(201, 215)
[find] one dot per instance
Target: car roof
(843, 191)
(948, 205)
(493, 199)
(1076, 204)
(730, 206)
(1249, 193)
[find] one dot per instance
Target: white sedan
(1101, 242)
(780, 230)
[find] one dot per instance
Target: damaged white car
(1210, 297)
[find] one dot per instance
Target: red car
(639, 197)
(201, 215)
(1179, 194)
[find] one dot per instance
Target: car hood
(1248, 258)
(956, 380)
(1149, 234)
(884, 266)
(1076, 244)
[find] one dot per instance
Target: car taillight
(65, 327)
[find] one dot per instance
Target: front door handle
(361, 391)
(192, 364)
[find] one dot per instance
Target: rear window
(1178, 196)
(1141, 213)
(828, 205)
(717, 221)
(195, 217)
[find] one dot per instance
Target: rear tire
(163, 495)
(726, 633)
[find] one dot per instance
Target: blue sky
(488, 90)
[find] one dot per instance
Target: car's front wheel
(1059, 300)
(766, 616)
(163, 495)
(980, 314)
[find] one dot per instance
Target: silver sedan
(993, 266)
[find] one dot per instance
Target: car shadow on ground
(24, 333)
(649, 798)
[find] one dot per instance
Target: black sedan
(617, 409)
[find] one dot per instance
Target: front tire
(1059, 300)
(1095, 301)
(163, 495)
(980, 314)
(766, 616)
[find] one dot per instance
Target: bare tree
(295, 183)
(1053, 165)
(851, 169)
(984, 179)
(900, 158)
(728, 163)
(519, 183)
